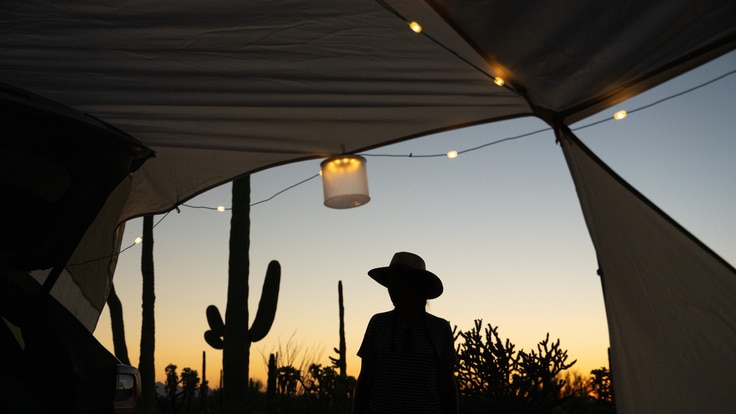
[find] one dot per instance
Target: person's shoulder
(436, 320)
(382, 317)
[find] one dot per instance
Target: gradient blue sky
(501, 226)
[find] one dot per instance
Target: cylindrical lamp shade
(345, 181)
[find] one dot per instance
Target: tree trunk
(118, 327)
(148, 344)
(236, 349)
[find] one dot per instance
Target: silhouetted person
(408, 356)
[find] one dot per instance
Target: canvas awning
(670, 300)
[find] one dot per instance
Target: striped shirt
(407, 361)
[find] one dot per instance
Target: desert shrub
(493, 376)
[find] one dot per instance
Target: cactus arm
(267, 304)
(215, 336)
(215, 320)
(213, 340)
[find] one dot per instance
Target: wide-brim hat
(411, 266)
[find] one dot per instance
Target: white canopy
(670, 300)
(226, 88)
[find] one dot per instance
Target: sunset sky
(501, 226)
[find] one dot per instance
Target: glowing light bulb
(452, 154)
(498, 81)
(619, 115)
(220, 208)
(344, 181)
(416, 27)
(138, 240)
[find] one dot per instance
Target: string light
(451, 154)
(137, 240)
(417, 28)
(454, 154)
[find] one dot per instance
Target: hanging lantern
(345, 181)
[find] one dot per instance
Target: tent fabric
(220, 90)
(575, 58)
(227, 88)
(670, 301)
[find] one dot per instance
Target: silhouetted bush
(493, 377)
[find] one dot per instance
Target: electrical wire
(479, 147)
(411, 155)
(121, 251)
(443, 46)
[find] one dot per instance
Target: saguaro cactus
(272, 374)
(340, 362)
(204, 385)
(217, 337)
(265, 314)
(233, 335)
